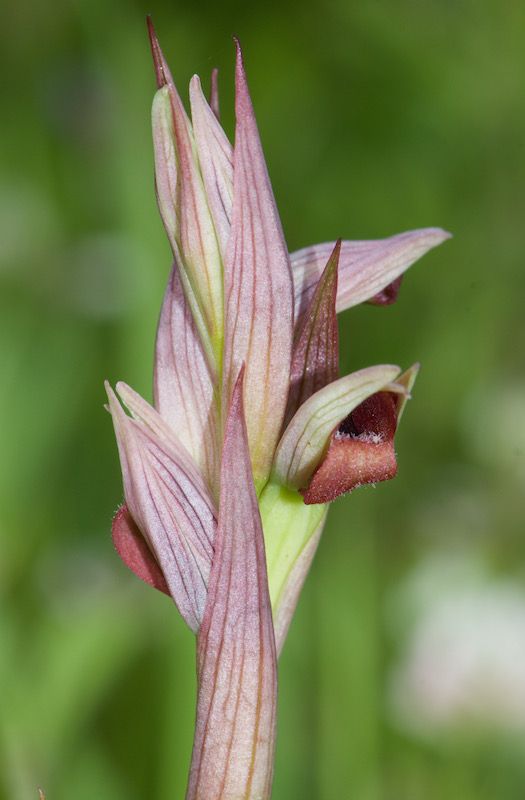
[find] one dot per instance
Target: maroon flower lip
(361, 451)
(135, 552)
(388, 295)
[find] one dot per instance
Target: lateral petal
(184, 385)
(236, 658)
(308, 434)
(216, 161)
(315, 357)
(366, 268)
(167, 500)
(258, 291)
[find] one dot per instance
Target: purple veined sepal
(258, 291)
(215, 155)
(183, 205)
(236, 657)
(369, 271)
(184, 382)
(168, 501)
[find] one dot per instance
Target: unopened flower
(252, 431)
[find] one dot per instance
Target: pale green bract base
(288, 525)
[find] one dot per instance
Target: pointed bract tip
(214, 93)
(109, 392)
(159, 62)
(114, 407)
(112, 398)
(331, 268)
(196, 92)
(236, 406)
(238, 48)
(242, 95)
(315, 355)
(335, 254)
(239, 383)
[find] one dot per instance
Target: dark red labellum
(388, 295)
(361, 451)
(134, 550)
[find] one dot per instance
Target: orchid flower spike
(228, 475)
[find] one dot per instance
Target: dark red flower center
(361, 451)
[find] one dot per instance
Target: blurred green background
(404, 673)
